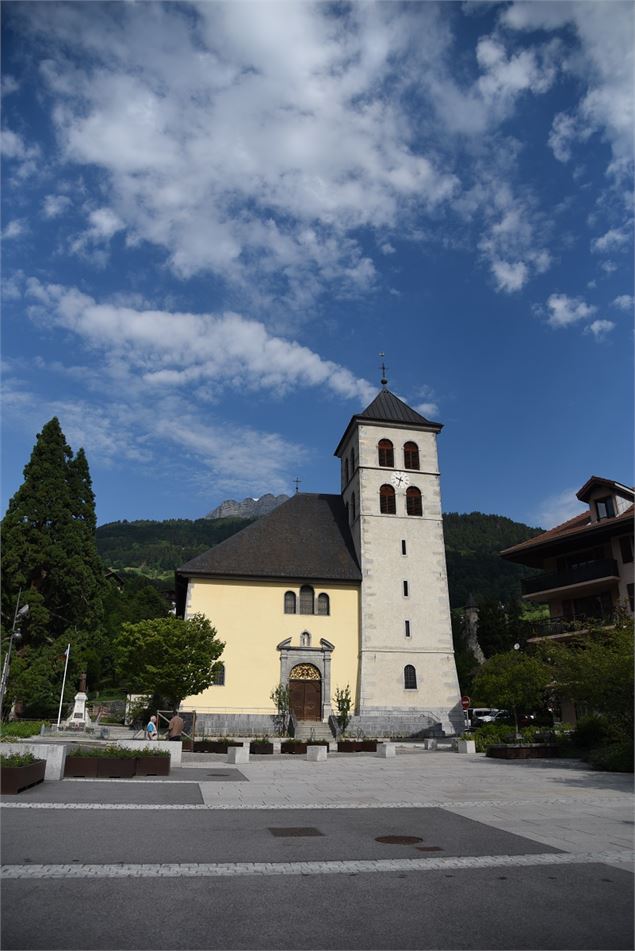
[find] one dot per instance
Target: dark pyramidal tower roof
(388, 408)
(305, 538)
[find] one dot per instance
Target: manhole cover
(429, 848)
(289, 831)
(398, 839)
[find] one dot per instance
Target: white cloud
(565, 311)
(169, 350)
(624, 302)
(612, 240)
(603, 62)
(8, 84)
(55, 205)
(558, 508)
(510, 276)
(14, 229)
(25, 156)
(600, 328)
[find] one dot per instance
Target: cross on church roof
(383, 368)
(297, 482)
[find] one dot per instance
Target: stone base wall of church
(436, 722)
(237, 724)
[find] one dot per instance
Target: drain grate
(398, 839)
(429, 848)
(282, 832)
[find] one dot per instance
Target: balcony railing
(593, 571)
(551, 626)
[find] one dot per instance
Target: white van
(479, 715)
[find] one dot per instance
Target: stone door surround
(319, 657)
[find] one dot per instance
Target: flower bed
(112, 762)
(20, 771)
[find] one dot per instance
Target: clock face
(400, 480)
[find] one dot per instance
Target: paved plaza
(429, 849)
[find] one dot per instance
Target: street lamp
(20, 614)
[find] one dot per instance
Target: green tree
(49, 554)
(168, 657)
(512, 681)
(282, 699)
(596, 671)
(343, 703)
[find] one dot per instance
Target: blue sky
(217, 215)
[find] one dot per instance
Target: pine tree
(49, 553)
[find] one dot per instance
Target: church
(336, 590)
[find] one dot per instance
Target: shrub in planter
(357, 746)
(19, 771)
(103, 761)
(293, 746)
(214, 746)
(262, 745)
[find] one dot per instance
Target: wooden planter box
(357, 746)
(213, 746)
(113, 768)
(294, 747)
(80, 767)
(261, 748)
(534, 751)
(13, 779)
(152, 766)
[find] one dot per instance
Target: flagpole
(59, 715)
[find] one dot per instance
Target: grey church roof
(305, 538)
(388, 408)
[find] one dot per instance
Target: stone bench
(316, 754)
(384, 750)
(238, 754)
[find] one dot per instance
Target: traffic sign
(465, 702)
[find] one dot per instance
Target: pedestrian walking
(175, 726)
(151, 729)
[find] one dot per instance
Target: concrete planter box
(532, 751)
(466, 746)
(357, 746)
(13, 779)
(293, 748)
(152, 766)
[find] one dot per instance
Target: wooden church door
(305, 692)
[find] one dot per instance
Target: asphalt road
(506, 906)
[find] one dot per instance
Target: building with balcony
(586, 563)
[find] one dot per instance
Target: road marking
(618, 801)
(233, 869)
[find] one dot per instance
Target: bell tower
(391, 491)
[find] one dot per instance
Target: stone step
(313, 730)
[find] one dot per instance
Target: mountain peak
(248, 508)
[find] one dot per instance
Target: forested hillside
(472, 543)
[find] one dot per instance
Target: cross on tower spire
(383, 368)
(297, 482)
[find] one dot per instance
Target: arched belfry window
(307, 596)
(353, 461)
(323, 604)
(414, 505)
(346, 472)
(353, 508)
(289, 602)
(387, 501)
(411, 455)
(386, 453)
(409, 677)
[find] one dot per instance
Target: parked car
(479, 715)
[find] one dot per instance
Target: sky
(217, 216)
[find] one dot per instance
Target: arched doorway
(305, 692)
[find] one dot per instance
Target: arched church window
(219, 675)
(409, 677)
(305, 639)
(411, 455)
(307, 596)
(289, 602)
(386, 453)
(414, 506)
(323, 604)
(387, 501)
(353, 509)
